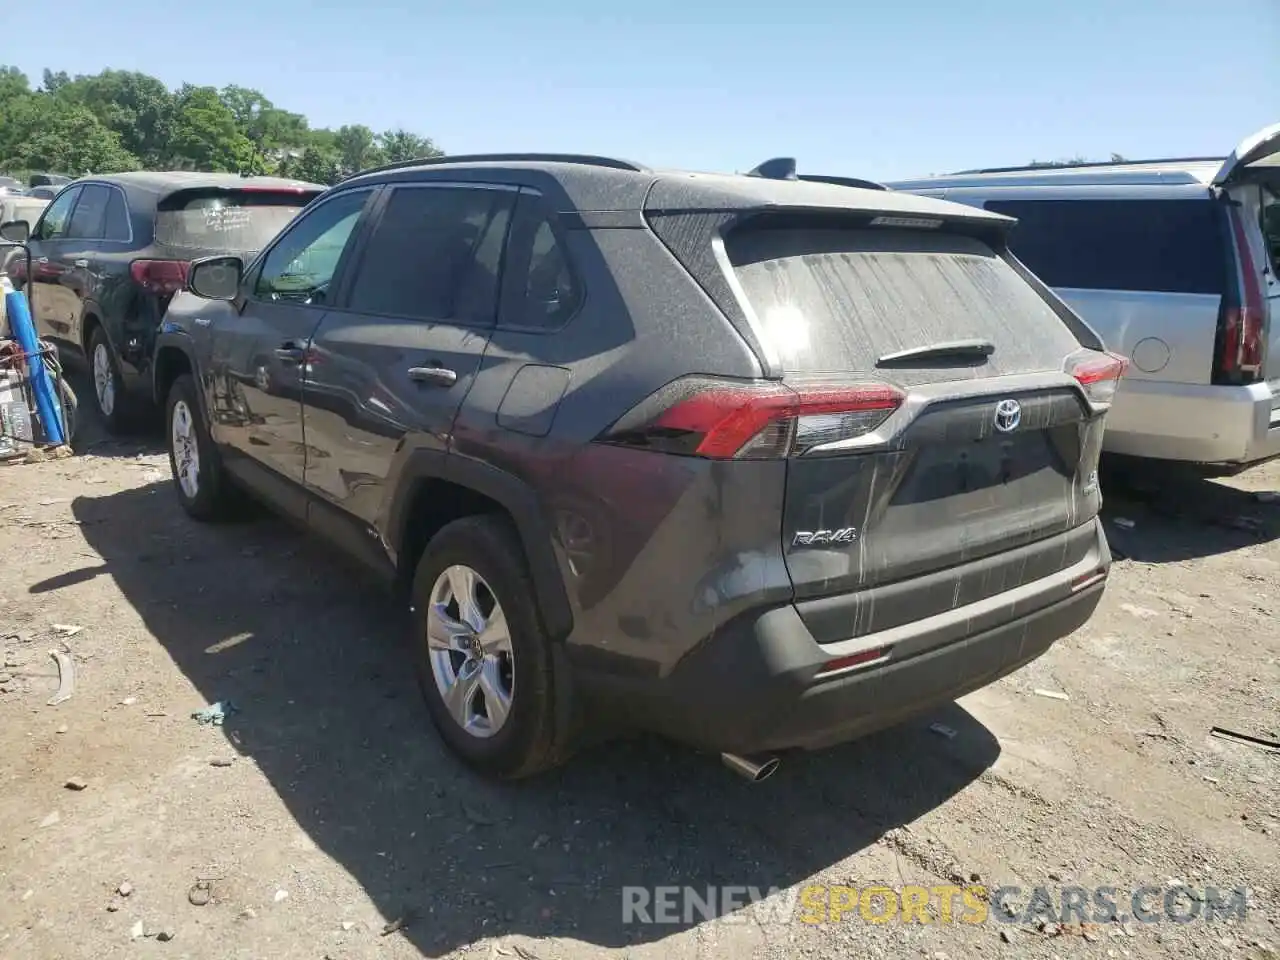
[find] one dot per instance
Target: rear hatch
(1249, 342)
(206, 221)
(938, 421)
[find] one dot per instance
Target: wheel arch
(437, 488)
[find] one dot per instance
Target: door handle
(82, 263)
(289, 354)
(436, 376)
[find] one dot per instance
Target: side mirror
(216, 278)
(15, 231)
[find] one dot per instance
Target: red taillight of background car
(160, 276)
(727, 420)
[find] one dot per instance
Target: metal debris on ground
(66, 629)
(1245, 739)
(215, 713)
(942, 730)
(1124, 523)
(66, 678)
(1051, 694)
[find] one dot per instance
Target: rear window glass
(834, 301)
(1166, 246)
(226, 221)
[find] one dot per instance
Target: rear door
(391, 363)
(993, 447)
(77, 259)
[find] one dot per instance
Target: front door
(394, 359)
(259, 351)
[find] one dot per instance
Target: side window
(1271, 226)
(117, 227)
(1169, 246)
(542, 289)
(57, 216)
(302, 264)
(434, 255)
(90, 215)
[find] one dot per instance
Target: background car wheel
(484, 664)
(197, 470)
(108, 390)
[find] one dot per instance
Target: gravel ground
(324, 809)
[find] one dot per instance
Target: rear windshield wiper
(954, 349)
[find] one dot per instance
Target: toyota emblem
(1008, 415)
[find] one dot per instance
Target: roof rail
(1029, 168)
(843, 181)
(585, 159)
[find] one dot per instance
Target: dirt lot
(333, 811)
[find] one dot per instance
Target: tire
(70, 411)
(528, 740)
(104, 372)
(204, 491)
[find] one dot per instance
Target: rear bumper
(1225, 426)
(755, 686)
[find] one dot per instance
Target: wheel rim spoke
(459, 696)
(444, 632)
(495, 637)
(463, 581)
(497, 701)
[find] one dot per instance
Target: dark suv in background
(752, 462)
(109, 252)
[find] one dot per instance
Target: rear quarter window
(226, 221)
(833, 301)
(1164, 246)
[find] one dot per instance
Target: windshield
(226, 221)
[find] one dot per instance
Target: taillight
(725, 420)
(160, 276)
(1098, 373)
(1242, 322)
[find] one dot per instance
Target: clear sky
(882, 90)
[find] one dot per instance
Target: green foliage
(124, 120)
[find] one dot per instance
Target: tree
(400, 145)
(357, 149)
(43, 132)
(205, 135)
(123, 119)
(138, 107)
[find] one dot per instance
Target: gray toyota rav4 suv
(749, 461)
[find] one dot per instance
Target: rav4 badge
(821, 538)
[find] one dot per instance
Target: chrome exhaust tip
(755, 770)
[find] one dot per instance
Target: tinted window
(435, 255)
(1271, 226)
(1171, 246)
(544, 292)
(90, 215)
(117, 227)
(57, 215)
(226, 221)
(834, 300)
(302, 264)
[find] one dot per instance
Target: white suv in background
(1173, 263)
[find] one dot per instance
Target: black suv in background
(109, 252)
(752, 462)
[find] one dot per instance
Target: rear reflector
(160, 276)
(861, 659)
(1242, 321)
(1098, 373)
(1088, 580)
(724, 420)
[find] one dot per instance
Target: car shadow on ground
(313, 656)
(1164, 513)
